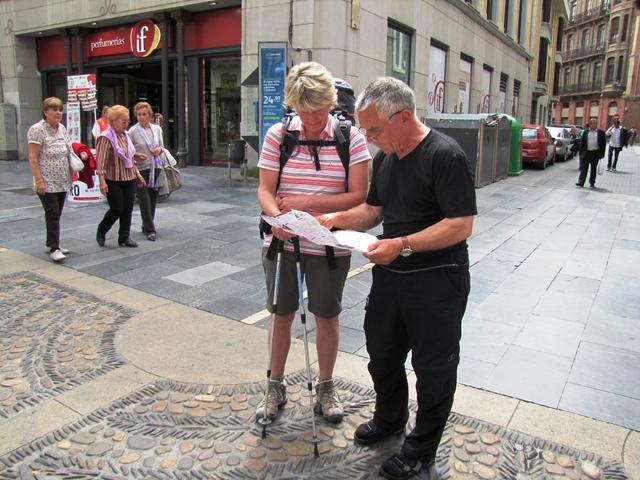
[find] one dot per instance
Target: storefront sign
(272, 71)
(144, 38)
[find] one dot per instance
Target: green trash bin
(515, 152)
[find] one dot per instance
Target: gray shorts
(324, 286)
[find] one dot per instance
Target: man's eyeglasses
(375, 132)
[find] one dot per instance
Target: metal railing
(591, 14)
(582, 52)
(584, 87)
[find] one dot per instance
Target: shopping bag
(75, 162)
(600, 167)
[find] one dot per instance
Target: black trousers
(120, 197)
(588, 159)
(613, 152)
(53, 203)
(147, 198)
(421, 312)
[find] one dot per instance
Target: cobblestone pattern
(52, 339)
(180, 431)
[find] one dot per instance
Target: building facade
(597, 69)
(459, 57)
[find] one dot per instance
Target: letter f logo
(140, 38)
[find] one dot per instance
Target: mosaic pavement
(52, 339)
(185, 431)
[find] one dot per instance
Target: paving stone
(83, 438)
(99, 448)
(186, 463)
(140, 443)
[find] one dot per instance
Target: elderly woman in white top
(147, 139)
(48, 150)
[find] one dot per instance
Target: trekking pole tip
(316, 453)
(264, 430)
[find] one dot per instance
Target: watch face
(405, 252)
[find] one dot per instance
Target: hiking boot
(276, 399)
(327, 401)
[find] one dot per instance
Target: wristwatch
(406, 248)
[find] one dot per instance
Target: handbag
(75, 162)
(169, 158)
(174, 180)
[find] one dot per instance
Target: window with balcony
(572, 11)
(507, 21)
(582, 75)
(625, 23)
(569, 42)
(492, 6)
(546, 11)
(611, 65)
(398, 53)
(601, 30)
(585, 38)
(615, 28)
(620, 69)
(522, 12)
(597, 74)
(566, 77)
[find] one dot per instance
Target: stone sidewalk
(100, 380)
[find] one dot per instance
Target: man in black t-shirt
(422, 191)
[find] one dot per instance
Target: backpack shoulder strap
(287, 145)
(342, 134)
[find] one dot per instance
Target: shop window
(398, 53)
(221, 106)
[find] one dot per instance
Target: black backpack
(341, 140)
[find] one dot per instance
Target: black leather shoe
(579, 185)
(127, 243)
(398, 467)
(151, 237)
(100, 238)
(368, 433)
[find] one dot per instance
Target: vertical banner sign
(486, 91)
(81, 90)
(437, 63)
(272, 68)
(464, 86)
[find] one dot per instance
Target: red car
(538, 146)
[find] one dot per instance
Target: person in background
(618, 137)
(147, 140)
(422, 191)
(592, 147)
(101, 124)
(118, 176)
(313, 180)
(48, 152)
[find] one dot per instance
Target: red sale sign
(144, 38)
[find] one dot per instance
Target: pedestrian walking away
(422, 191)
(618, 137)
(147, 141)
(314, 180)
(592, 147)
(48, 150)
(118, 176)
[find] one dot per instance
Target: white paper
(354, 240)
(305, 225)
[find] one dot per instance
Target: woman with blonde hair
(147, 140)
(118, 176)
(48, 151)
(313, 180)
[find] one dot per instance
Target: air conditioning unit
(8, 132)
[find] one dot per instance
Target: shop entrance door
(220, 120)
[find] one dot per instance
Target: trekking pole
(264, 420)
(303, 319)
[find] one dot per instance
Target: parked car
(563, 142)
(575, 131)
(537, 146)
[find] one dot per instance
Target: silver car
(562, 141)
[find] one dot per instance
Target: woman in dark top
(118, 176)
